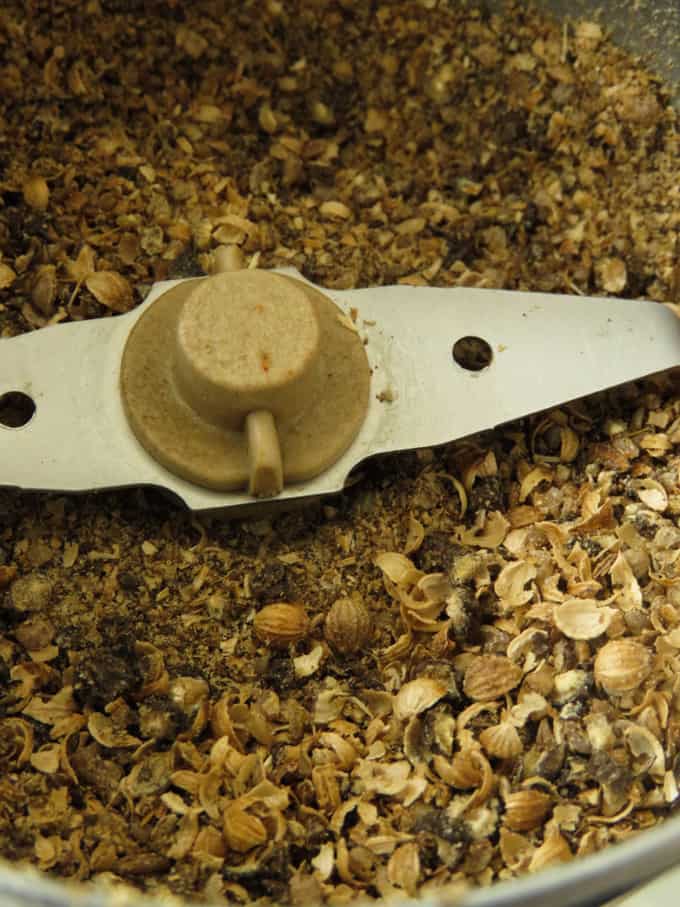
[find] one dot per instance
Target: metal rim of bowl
(589, 880)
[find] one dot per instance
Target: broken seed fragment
(490, 676)
(111, 290)
(417, 696)
(243, 831)
(583, 618)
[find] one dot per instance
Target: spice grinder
(647, 27)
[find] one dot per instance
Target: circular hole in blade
(16, 409)
(472, 353)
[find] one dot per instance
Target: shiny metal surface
(649, 29)
(546, 350)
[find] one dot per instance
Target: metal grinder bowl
(650, 29)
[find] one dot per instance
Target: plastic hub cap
(244, 379)
(257, 352)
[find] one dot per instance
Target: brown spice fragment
(622, 665)
(111, 289)
(36, 193)
(280, 624)
(347, 625)
(490, 676)
(526, 809)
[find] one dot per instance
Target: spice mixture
(465, 667)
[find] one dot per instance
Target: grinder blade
(519, 353)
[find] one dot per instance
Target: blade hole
(16, 409)
(472, 353)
